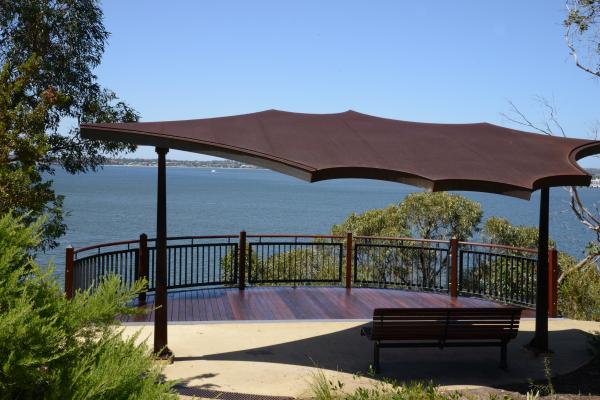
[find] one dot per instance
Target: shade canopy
(314, 147)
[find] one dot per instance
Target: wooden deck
(288, 303)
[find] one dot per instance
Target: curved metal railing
(497, 272)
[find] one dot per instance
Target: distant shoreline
(212, 164)
(181, 166)
(218, 164)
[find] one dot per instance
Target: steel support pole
(160, 312)
(540, 340)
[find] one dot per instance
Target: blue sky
(434, 61)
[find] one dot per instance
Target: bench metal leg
(376, 356)
(503, 363)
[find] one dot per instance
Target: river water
(118, 203)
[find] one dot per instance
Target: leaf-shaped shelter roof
(314, 147)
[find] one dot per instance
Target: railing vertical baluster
(198, 265)
(283, 260)
(524, 275)
(185, 263)
(208, 263)
(356, 266)
(276, 261)
(204, 266)
(214, 266)
(181, 266)
(460, 271)
(500, 288)
(493, 275)
(122, 267)
(533, 287)
(220, 264)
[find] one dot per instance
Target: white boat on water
(595, 183)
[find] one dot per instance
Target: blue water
(118, 203)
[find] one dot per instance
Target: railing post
(553, 283)
(454, 267)
(242, 261)
(349, 245)
(143, 266)
(69, 264)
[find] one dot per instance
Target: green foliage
(229, 261)
(583, 33)
(440, 215)
(379, 222)
(499, 231)
(298, 264)
(324, 389)
(421, 215)
(301, 263)
(424, 215)
(22, 144)
(48, 51)
(579, 292)
(52, 348)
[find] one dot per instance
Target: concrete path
(281, 358)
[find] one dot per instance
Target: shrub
(378, 222)
(579, 292)
(424, 215)
(440, 215)
(499, 231)
(52, 348)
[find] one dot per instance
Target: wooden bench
(442, 327)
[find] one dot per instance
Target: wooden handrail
(124, 242)
(198, 237)
(308, 236)
(405, 239)
(290, 235)
(99, 246)
(499, 246)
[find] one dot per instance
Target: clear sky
(433, 61)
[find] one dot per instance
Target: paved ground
(280, 358)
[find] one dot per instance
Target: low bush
(579, 291)
(53, 348)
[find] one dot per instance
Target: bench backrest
(446, 323)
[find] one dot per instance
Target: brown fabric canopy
(314, 147)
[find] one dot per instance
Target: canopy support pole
(160, 313)
(540, 341)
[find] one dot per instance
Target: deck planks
(289, 303)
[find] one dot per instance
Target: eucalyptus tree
(582, 37)
(66, 38)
